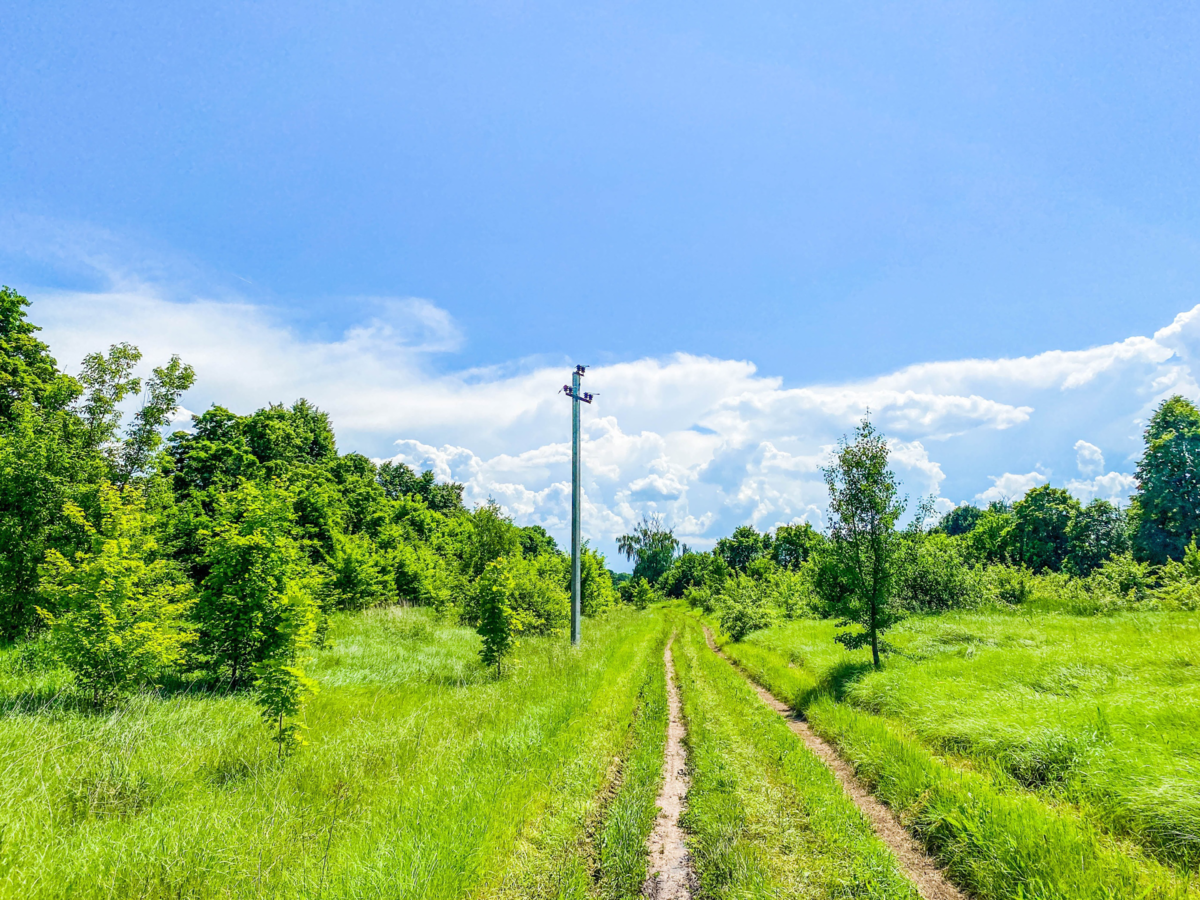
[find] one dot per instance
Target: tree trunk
(874, 637)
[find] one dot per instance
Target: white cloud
(1010, 486)
(709, 443)
(1115, 487)
(1089, 458)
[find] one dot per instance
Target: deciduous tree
(863, 510)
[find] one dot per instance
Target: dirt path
(670, 869)
(918, 865)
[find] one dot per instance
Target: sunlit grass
(767, 819)
(424, 777)
(1098, 717)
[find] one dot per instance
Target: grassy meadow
(1055, 753)
(766, 818)
(423, 776)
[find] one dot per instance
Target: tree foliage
(1168, 479)
(863, 511)
(116, 609)
(650, 546)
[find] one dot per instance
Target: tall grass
(1095, 716)
(767, 819)
(424, 776)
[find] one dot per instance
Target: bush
(358, 574)
(532, 589)
(118, 611)
(934, 576)
(1125, 578)
(1004, 585)
(792, 593)
(745, 606)
(515, 596)
(597, 594)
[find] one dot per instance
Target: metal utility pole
(577, 397)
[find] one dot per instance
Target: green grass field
(424, 777)
(1056, 752)
(767, 818)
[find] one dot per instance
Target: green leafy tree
(492, 536)
(1039, 537)
(214, 456)
(119, 609)
(794, 545)
(1167, 501)
(1096, 533)
(399, 480)
(694, 570)
(933, 575)
(255, 569)
(641, 593)
(960, 520)
(42, 467)
(863, 510)
(28, 373)
(280, 437)
(535, 541)
(743, 547)
(988, 541)
(359, 576)
(107, 380)
(650, 547)
(144, 438)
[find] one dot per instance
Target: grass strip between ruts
(766, 818)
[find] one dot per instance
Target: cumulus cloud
(1010, 486)
(1115, 487)
(709, 443)
(1089, 458)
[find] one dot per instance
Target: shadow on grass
(66, 698)
(835, 683)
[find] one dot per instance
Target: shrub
(597, 594)
(745, 606)
(1002, 584)
(792, 593)
(1125, 578)
(118, 617)
(358, 574)
(934, 576)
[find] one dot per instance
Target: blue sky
(833, 195)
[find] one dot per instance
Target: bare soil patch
(671, 876)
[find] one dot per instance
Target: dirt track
(919, 866)
(671, 876)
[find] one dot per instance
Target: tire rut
(920, 868)
(671, 876)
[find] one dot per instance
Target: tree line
(213, 557)
(1046, 550)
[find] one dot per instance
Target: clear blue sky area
(828, 190)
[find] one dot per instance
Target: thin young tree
(863, 510)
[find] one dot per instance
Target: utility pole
(577, 397)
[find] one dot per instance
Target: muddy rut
(671, 876)
(919, 866)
